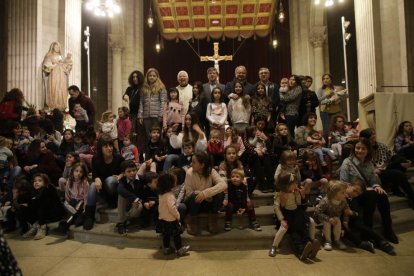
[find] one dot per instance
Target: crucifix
(216, 57)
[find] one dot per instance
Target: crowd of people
(171, 154)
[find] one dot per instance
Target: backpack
(7, 111)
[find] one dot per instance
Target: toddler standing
(169, 218)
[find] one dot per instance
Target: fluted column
(364, 23)
(116, 96)
(22, 69)
(317, 39)
(73, 37)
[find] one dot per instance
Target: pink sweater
(124, 127)
(167, 208)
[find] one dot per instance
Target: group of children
(154, 192)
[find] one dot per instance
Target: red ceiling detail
(247, 21)
(181, 11)
(199, 23)
(165, 11)
(265, 7)
(215, 9)
(168, 24)
(248, 8)
(189, 18)
(231, 21)
(184, 23)
(231, 9)
(198, 10)
(263, 20)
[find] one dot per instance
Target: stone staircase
(239, 238)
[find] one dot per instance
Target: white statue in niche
(56, 71)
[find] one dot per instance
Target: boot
(41, 232)
(89, 217)
(212, 223)
(192, 225)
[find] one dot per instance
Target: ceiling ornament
(199, 19)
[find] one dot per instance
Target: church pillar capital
(116, 43)
(317, 36)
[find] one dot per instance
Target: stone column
(364, 23)
(116, 98)
(317, 38)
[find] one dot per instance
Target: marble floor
(54, 256)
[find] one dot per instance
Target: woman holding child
(359, 166)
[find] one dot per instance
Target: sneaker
(368, 246)
(387, 248)
(327, 246)
(31, 232)
(183, 250)
(255, 226)
(316, 246)
(306, 251)
(272, 251)
(340, 245)
(41, 232)
(391, 237)
(227, 225)
(121, 228)
(168, 251)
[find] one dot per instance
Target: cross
(216, 57)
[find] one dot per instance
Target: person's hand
(333, 221)
(241, 211)
(380, 190)
(135, 204)
(407, 164)
(225, 202)
(146, 205)
(200, 197)
(148, 162)
(348, 212)
(140, 121)
(118, 176)
(259, 153)
(98, 184)
(378, 170)
(284, 224)
(151, 203)
(175, 127)
(346, 225)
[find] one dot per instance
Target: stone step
(236, 239)
(263, 208)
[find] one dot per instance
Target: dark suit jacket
(207, 90)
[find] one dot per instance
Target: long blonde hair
(154, 88)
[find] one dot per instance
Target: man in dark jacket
(76, 96)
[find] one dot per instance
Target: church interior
(365, 46)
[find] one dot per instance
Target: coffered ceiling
(200, 19)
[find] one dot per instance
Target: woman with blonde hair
(152, 101)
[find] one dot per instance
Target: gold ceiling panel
(200, 19)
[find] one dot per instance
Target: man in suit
(240, 75)
(213, 81)
(272, 90)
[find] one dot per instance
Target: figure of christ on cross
(216, 57)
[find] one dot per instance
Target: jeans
(170, 160)
(205, 206)
(109, 187)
